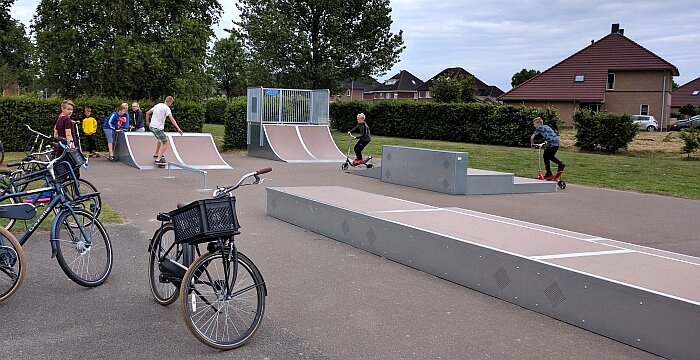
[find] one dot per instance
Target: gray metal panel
(264, 151)
(534, 187)
(649, 321)
(121, 150)
(375, 172)
(440, 171)
(489, 182)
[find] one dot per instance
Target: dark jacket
(363, 129)
(138, 119)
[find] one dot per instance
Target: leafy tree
(674, 85)
(689, 109)
(523, 76)
(15, 50)
(130, 49)
(317, 44)
(450, 90)
(233, 69)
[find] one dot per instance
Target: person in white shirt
(157, 125)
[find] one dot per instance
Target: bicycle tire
(72, 239)
(5, 223)
(2, 152)
(86, 187)
(249, 288)
(165, 293)
(13, 265)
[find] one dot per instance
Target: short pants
(160, 135)
(109, 133)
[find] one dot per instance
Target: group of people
(119, 120)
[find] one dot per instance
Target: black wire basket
(205, 220)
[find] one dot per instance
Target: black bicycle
(78, 239)
(13, 262)
(222, 291)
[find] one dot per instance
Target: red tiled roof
(613, 52)
(684, 94)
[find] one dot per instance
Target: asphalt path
(327, 300)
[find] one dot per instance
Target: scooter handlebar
(264, 171)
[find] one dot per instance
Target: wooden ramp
(196, 150)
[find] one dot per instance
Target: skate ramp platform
(643, 297)
(293, 143)
(195, 150)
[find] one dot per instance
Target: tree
(15, 50)
(450, 90)
(674, 85)
(233, 69)
(523, 76)
(688, 109)
(318, 44)
(129, 49)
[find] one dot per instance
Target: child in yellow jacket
(89, 129)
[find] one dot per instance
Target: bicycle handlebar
(219, 192)
(37, 133)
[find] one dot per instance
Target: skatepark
(343, 292)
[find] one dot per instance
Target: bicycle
(78, 239)
(222, 292)
(28, 171)
(2, 151)
(13, 262)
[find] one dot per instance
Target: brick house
(353, 89)
(484, 93)
(686, 94)
(613, 74)
(403, 85)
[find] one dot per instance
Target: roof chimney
(621, 32)
(615, 28)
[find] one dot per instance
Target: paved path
(326, 300)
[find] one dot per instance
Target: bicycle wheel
(84, 251)
(93, 204)
(6, 223)
(13, 264)
(219, 318)
(165, 288)
(2, 152)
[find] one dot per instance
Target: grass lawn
(655, 172)
(217, 132)
(107, 215)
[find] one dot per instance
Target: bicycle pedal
(164, 279)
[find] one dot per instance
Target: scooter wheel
(344, 166)
(562, 184)
(369, 166)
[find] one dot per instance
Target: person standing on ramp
(157, 126)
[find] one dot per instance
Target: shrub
(603, 131)
(691, 137)
(343, 114)
(235, 124)
(41, 115)
(216, 111)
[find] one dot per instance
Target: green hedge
(460, 122)
(216, 111)
(603, 131)
(235, 124)
(41, 115)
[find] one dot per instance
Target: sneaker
(561, 167)
(160, 161)
(356, 162)
(547, 175)
(110, 158)
(155, 156)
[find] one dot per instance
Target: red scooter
(556, 177)
(348, 162)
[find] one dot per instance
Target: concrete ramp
(192, 149)
(319, 143)
(294, 143)
(197, 150)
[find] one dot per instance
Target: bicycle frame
(58, 199)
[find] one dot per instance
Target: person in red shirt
(64, 124)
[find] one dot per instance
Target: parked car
(684, 124)
(645, 122)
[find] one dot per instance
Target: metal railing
(189, 168)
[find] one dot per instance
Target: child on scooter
(552, 145)
(364, 138)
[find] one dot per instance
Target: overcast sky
(495, 39)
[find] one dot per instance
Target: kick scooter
(349, 162)
(556, 177)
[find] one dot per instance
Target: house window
(347, 93)
(396, 95)
(644, 109)
(427, 94)
(579, 78)
(611, 82)
(695, 93)
(415, 95)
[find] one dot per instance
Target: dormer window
(579, 78)
(390, 82)
(695, 93)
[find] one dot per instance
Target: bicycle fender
(54, 239)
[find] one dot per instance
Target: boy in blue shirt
(552, 145)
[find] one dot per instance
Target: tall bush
(235, 124)
(41, 115)
(603, 131)
(343, 114)
(216, 111)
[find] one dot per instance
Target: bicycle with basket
(222, 291)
